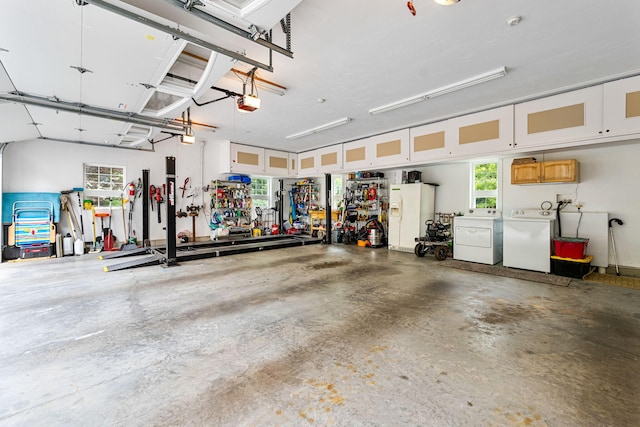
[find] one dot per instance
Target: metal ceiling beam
(95, 144)
(177, 33)
(232, 28)
(88, 110)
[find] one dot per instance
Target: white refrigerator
(410, 206)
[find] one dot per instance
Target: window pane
(486, 202)
(102, 182)
(485, 185)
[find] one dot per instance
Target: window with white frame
(484, 184)
(261, 193)
(104, 185)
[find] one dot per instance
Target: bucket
(374, 237)
(567, 247)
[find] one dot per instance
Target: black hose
(560, 204)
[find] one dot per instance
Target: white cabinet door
(247, 159)
(565, 118)
(486, 132)
(329, 159)
(428, 142)
(356, 155)
(293, 165)
(276, 163)
(307, 164)
(390, 149)
(622, 107)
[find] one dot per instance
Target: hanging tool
(152, 194)
(411, 8)
(184, 186)
(79, 190)
(159, 201)
(613, 242)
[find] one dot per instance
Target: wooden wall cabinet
(559, 171)
(525, 173)
(551, 171)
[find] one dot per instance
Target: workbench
(318, 219)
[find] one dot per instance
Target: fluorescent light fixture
(480, 78)
(447, 2)
(320, 128)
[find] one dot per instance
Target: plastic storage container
(567, 247)
(568, 267)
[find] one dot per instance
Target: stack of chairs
(32, 230)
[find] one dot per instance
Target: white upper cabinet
(247, 159)
(329, 159)
(622, 106)
(389, 149)
(293, 164)
(356, 155)
(276, 163)
(565, 118)
(307, 164)
(486, 132)
(429, 142)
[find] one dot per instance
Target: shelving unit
(304, 198)
(369, 197)
(231, 205)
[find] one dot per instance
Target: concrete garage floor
(319, 335)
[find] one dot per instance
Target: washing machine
(528, 235)
(477, 236)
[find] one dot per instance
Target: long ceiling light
(320, 128)
(480, 78)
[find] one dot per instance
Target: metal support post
(171, 258)
(145, 208)
(327, 236)
(281, 206)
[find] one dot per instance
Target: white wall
(609, 182)
(47, 166)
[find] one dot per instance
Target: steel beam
(88, 110)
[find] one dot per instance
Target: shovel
(613, 242)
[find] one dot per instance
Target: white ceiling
(355, 55)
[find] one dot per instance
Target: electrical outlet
(565, 198)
